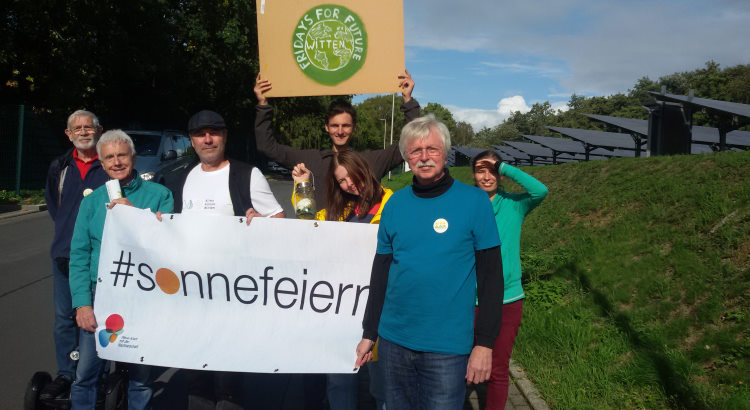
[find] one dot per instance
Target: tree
(464, 134)
(370, 124)
(442, 114)
(532, 122)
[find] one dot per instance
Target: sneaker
(58, 389)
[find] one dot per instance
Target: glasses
(431, 152)
(84, 129)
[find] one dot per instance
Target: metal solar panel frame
(573, 148)
(726, 111)
(518, 156)
(531, 148)
(700, 134)
(635, 125)
(711, 136)
(561, 145)
(535, 152)
(602, 139)
(718, 106)
(599, 139)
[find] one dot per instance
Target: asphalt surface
(26, 316)
(26, 312)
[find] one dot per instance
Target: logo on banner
(329, 44)
(114, 326)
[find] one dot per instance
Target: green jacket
(510, 211)
(87, 234)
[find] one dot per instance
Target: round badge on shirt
(87, 191)
(440, 225)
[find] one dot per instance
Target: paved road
(26, 310)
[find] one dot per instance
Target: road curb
(25, 210)
(526, 387)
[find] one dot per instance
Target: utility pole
(384, 122)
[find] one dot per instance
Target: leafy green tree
(464, 134)
(534, 121)
(489, 137)
(738, 86)
(442, 114)
(373, 118)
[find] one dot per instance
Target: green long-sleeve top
(510, 211)
(89, 227)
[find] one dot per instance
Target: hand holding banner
(208, 292)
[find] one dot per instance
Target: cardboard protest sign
(309, 47)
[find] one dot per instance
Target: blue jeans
(89, 373)
(342, 391)
(65, 332)
(422, 380)
(377, 383)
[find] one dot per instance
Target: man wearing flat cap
(214, 184)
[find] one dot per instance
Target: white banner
(209, 292)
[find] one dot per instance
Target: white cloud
(560, 105)
(509, 105)
(600, 47)
(479, 118)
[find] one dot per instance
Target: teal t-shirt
(429, 300)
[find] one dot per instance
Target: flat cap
(205, 119)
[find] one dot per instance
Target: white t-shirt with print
(208, 191)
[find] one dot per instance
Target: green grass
(637, 276)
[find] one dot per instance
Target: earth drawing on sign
(329, 44)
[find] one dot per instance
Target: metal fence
(41, 142)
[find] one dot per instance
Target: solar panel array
(531, 149)
(709, 135)
(566, 146)
(630, 124)
(596, 145)
(700, 134)
(598, 138)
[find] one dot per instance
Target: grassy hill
(637, 276)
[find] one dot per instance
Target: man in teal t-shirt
(438, 248)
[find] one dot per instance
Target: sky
(485, 59)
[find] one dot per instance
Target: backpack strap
(239, 186)
(60, 185)
(62, 170)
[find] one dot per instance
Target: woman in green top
(510, 211)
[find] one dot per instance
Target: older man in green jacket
(117, 155)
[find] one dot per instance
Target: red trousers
(497, 387)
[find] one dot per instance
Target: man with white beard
(71, 176)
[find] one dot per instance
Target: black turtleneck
(489, 283)
(434, 189)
